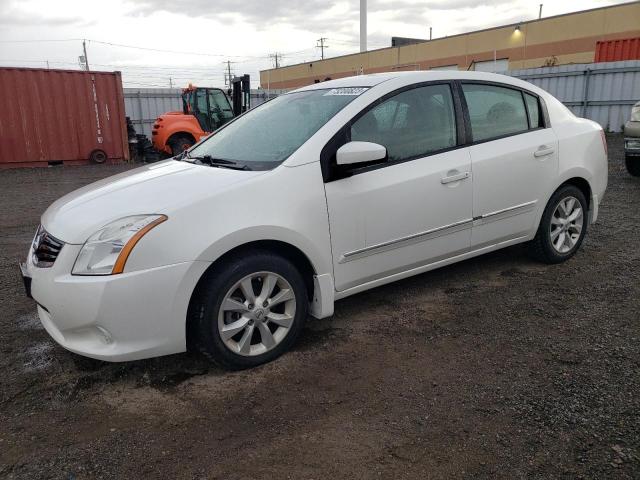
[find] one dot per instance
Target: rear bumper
(122, 317)
(594, 208)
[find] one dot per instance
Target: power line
(138, 47)
(355, 44)
(115, 65)
(149, 49)
(43, 40)
(180, 73)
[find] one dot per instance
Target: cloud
(337, 20)
(253, 11)
(13, 13)
(247, 31)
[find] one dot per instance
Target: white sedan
(319, 194)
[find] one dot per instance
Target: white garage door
(500, 65)
(445, 67)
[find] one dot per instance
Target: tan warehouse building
(569, 38)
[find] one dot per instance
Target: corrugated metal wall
(144, 105)
(604, 92)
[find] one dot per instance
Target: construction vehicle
(204, 110)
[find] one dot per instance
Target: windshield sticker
(346, 91)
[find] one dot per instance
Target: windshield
(264, 137)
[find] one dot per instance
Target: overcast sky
(197, 36)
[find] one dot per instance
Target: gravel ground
(497, 367)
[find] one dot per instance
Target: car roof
(373, 79)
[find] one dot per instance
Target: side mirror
(360, 152)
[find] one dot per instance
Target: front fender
(260, 233)
(321, 305)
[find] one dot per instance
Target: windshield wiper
(218, 162)
(181, 156)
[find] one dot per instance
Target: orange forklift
(204, 110)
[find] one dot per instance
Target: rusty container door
(618, 50)
(50, 117)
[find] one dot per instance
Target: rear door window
(494, 111)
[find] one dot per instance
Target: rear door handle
(543, 151)
(454, 178)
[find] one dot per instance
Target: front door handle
(454, 178)
(543, 151)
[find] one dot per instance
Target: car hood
(157, 188)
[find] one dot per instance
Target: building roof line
(524, 22)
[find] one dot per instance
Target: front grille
(46, 248)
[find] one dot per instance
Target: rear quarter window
(533, 107)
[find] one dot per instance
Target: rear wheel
(633, 165)
(180, 143)
(249, 311)
(98, 156)
(562, 227)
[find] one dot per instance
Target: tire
(179, 144)
(227, 283)
(633, 165)
(98, 156)
(543, 247)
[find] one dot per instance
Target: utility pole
(321, 46)
(363, 25)
(430, 33)
(277, 57)
(540, 14)
(86, 59)
(170, 82)
(227, 75)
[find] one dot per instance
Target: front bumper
(632, 146)
(121, 317)
(26, 279)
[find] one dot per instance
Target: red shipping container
(617, 50)
(50, 117)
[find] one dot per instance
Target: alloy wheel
(566, 224)
(256, 313)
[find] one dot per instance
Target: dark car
(632, 141)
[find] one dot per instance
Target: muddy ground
(497, 367)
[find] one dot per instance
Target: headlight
(106, 251)
(635, 114)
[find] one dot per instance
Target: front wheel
(562, 227)
(633, 165)
(249, 310)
